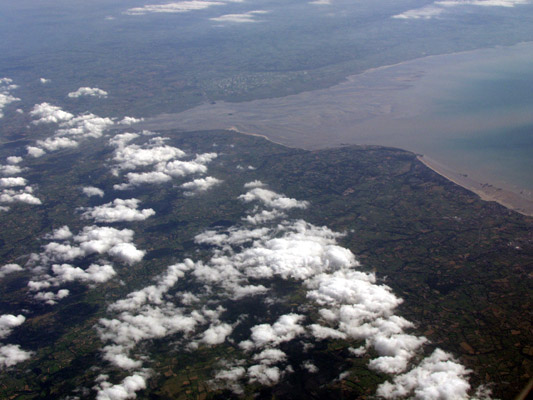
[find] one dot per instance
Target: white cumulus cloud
(6, 85)
(200, 185)
(438, 7)
(12, 354)
(175, 7)
(437, 377)
(8, 322)
(9, 269)
(12, 182)
(88, 91)
(90, 191)
(47, 113)
(118, 210)
(246, 17)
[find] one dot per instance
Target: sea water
(477, 115)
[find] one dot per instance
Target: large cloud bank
(349, 304)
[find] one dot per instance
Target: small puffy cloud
(44, 80)
(125, 390)
(205, 158)
(5, 99)
(254, 184)
(84, 126)
(438, 7)
(175, 7)
(249, 16)
(322, 332)
(149, 314)
(126, 252)
(90, 191)
(47, 113)
(88, 91)
(77, 127)
(483, 3)
(270, 357)
(92, 239)
(200, 185)
(8, 322)
(118, 210)
(130, 120)
(248, 290)
(95, 240)
(14, 160)
(216, 334)
(436, 377)
(395, 352)
(122, 139)
(21, 196)
(153, 293)
(62, 233)
(264, 216)
(95, 273)
(321, 2)
(232, 374)
(9, 269)
(426, 12)
(264, 374)
(272, 199)
(52, 298)
(310, 367)
(135, 156)
(12, 354)
(10, 169)
(56, 143)
(142, 178)
(179, 168)
(161, 157)
(6, 85)
(12, 182)
(232, 237)
(286, 328)
(35, 152)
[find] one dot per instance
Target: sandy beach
(486, 192)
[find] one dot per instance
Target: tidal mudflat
(470, 113)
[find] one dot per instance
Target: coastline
(383, 110)
(486, 192)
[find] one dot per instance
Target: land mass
(462, 266)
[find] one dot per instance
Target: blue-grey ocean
(479, 116)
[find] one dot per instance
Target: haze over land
(142, 256)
